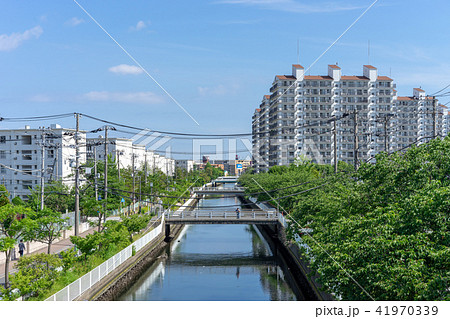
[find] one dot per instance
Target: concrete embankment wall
(297, 266)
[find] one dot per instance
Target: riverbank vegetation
(41, 275)
(38, 276)
(380, 233)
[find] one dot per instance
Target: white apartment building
(260, 129)
(445, 121)
(123, 152)
(21, 157)
(187, 165)
(281, 121)
(385, 122)
(414, 119)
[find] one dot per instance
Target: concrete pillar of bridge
(167, 230)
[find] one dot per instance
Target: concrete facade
(21, 157)
(123, 150)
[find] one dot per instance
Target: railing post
(253, 212)
(225, 215)
(182, 215)
(196, 214)
(210, 215)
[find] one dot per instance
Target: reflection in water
(214, 262)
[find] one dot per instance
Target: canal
(215, 263)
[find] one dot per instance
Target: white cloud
(139, 26)
(124, 97)
(294, 6)
(74, 22)
(126, 69)
(11, 42)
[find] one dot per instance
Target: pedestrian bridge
(205, 216)
(219, 190)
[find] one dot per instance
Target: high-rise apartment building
(415, 119)
(301, 111)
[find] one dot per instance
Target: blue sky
(217, 58)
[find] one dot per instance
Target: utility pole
(95, 172)
(140, 192)
(77, 176)
(335, 146)
(118, 163)
(134, 180)
(106, 173)
(355, 132)
(145, 168)
(434, 118)
(385, 134)
(56, 163)
(42, 167)
(151, 196)
(154, 163)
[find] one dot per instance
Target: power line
(162, 132)
(36, 118)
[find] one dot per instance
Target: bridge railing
(221, 215)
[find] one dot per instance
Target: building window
(26, 139)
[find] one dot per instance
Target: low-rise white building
(124, 152)
(21, 157)
(187, 165)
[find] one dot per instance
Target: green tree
(68, 258)
(87, 245)
(57, 196)
(45, 226)
(36, 274)
(17, 201)
(4, 195)
(115, 234)
(135, 223)
(11, 229)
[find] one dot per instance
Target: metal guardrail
(84, 283)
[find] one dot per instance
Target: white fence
(84, 283)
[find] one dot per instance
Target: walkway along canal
(218, 262)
